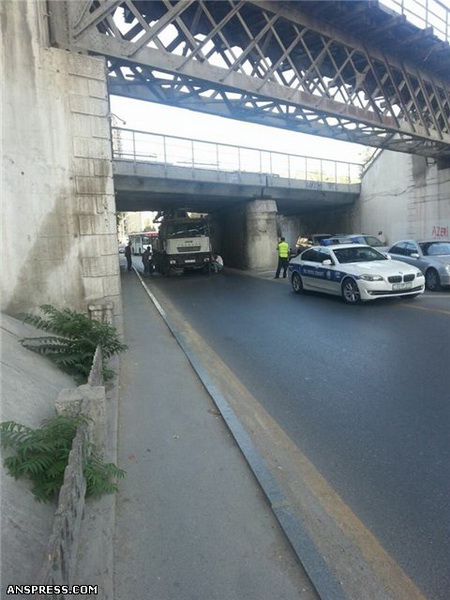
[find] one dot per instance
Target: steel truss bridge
(349, 70)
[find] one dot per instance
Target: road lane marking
(441, 311)
(349, 549)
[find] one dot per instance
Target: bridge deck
(153, 172)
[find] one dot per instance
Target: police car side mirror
(327, 262)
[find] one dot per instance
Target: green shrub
(41, 455)
(77, 337)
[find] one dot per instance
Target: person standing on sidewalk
(383, 239)
(146, 260)
(283, 257)
(128, 255)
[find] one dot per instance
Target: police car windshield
(358, 254)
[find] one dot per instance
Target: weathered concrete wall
(324, 221)
(404, 196)
(246, 234)
(38, 545)
(261, 232)
(30, 384)
(401, 195)
(59, 241)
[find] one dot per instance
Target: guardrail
(143, 146)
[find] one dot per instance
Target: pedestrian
(283, 258)
(217, 263)
(128, 255)
(382, 238)
(146, 260)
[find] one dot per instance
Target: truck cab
(183, 243)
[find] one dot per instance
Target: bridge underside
(210, 192)
(353, 71)
(195, 198)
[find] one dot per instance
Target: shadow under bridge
(160, 172)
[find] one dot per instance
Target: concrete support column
(59, 230)
(261, 238)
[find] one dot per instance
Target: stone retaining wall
(60, 561)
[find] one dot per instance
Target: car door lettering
(321, 273)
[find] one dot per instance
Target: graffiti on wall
(440, 232)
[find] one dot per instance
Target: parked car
(121, 248)
(360, 238)
(432, 257)
(310, 239)
(354, 271)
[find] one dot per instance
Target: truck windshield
(182, 230)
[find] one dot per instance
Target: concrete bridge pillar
(60, 232)
(261, 239)
(246, 234)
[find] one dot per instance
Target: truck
(183, 243)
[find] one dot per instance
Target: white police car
(354, 271)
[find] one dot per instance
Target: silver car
(431, 256)
(360, 238)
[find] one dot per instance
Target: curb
(323, 579)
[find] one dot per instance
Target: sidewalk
(191, 520)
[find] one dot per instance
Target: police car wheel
(350, 291)
(297, 284)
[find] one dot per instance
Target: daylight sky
(158, 118)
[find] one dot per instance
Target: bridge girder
(346, 70)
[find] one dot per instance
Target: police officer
(128, 256)
(283, 257)
(146, 260)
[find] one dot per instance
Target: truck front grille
(188, 248)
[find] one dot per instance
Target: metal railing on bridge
(425, 14)
(318, 173)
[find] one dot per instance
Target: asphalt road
(362, 390)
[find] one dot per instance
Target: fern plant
(76, 338)
(41, 455)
